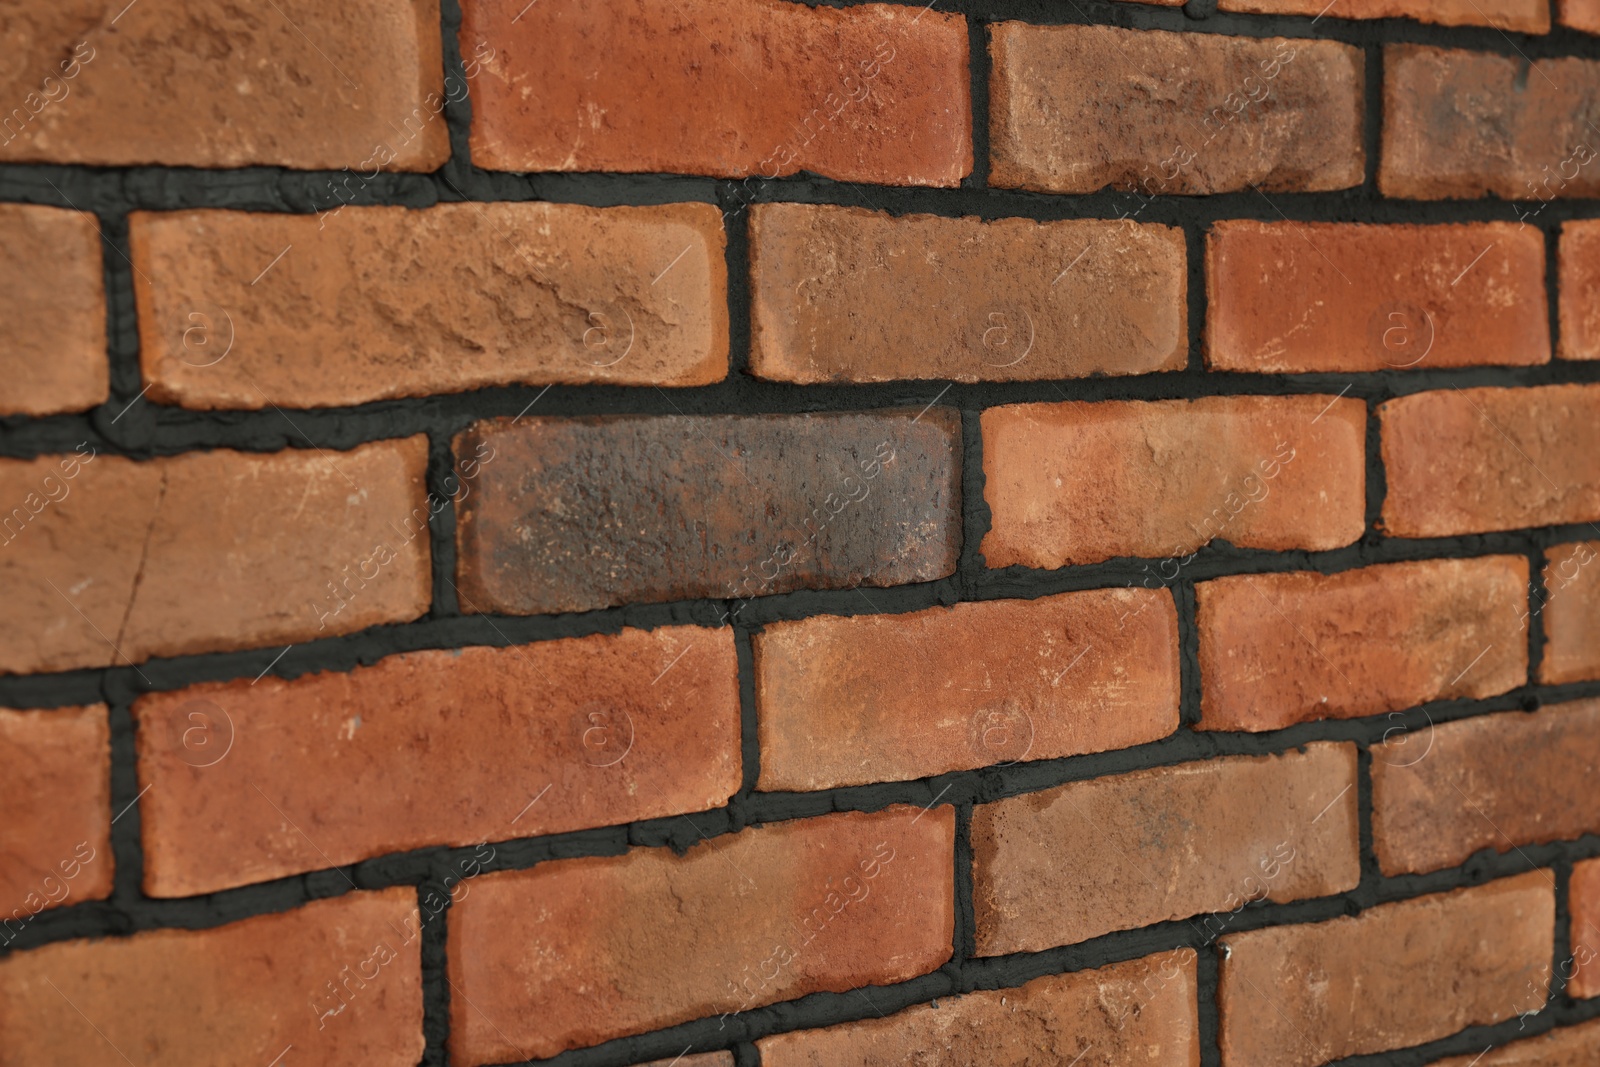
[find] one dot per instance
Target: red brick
(1084, 482)
(732, 88)
(1579, 251)
(586, 513)
(1493, 781)
(1277, 649)
(623, 295)
(417, 750)
(1571, 1046)
(1579, 14)
(875, 698)
(1142, 1011)
(1571, 611)
(844, 294)
(190, 83)
(340, 980)
(1077, 108)
(574, 952)
(1462, 461)
(1118, 853)
(56, 837)
(1397, 975)
(108, 561)
(1331, 296)
(1584, 902)
(1522, 16)
(1462, 124)
(53, 302)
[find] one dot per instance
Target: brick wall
(732, 532)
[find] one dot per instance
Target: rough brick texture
(1464, 461)
(340, 980)
(380, 302)
(848, 701)
(1583, 900)
(56, 837)
(1077, 108)
(1579, 14)
(576, 514)
(196, 84)
(109, 561)
(845, 294)
(1277, 649)
(1571, 613)
(433, 748)
(1571, 1046)
(1142, 1011)
(1307, 296)
(1523, 16)
(1079, 482)
(1084, 859)
(572, 953)
(1462, 124)
(53, 304)
(706, 1059)
(734, 88)
(1410, 972)
(1493, 781)
(1579, 257)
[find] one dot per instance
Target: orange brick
(1570, 1046)
(1584, 903)
(1521, 16)
(1579, 252)
(1333, 296)
(1579, 14)
(1277, 649)
(1571, 611)
(573, 953)
(53, 302)
(1083, 482)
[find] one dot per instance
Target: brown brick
(1277, 649)
(190, 83)
(340, 980)
(1522, 16)
(1333, 296)
(108, 561)
(1462, 461)
(1084, 482)
(734, 88)
(845, 294)
(1118, 853)
(573, 953)
(1077, 108)
(1584, 902)
(854, 700)
(1141, 1011)
(53, 302)
(1493, 781)
(1398, 974)
(1462, 124)
(1571, 611)
(704, 1059)
(417, 750)
(575, 514)
(382, 302)
(1579, 251)
(56, 837)
(1570, 1046)
(1579, 14)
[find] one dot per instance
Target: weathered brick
(53, 302)
(1493, 781)
(1277, 649)
(1396, 975)
(1583, 898)
(573, 952)
(1579, 254)
(1333, 296)
(586, 513)
(1462, 461)
(1579, 14)
(1462, 124)
(382, 302)
(339, 980)
(1570, 1046)
(1141, 1011)
(1076, 108)
(417, 749)
(56, 837)
(1083, 482)
(734, 88)
(854, 700)
(704, 1059)
(1571, 611)
(195, 84)
(1522, 16)
(1118, 853)
(109, 561)
(845, 294)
